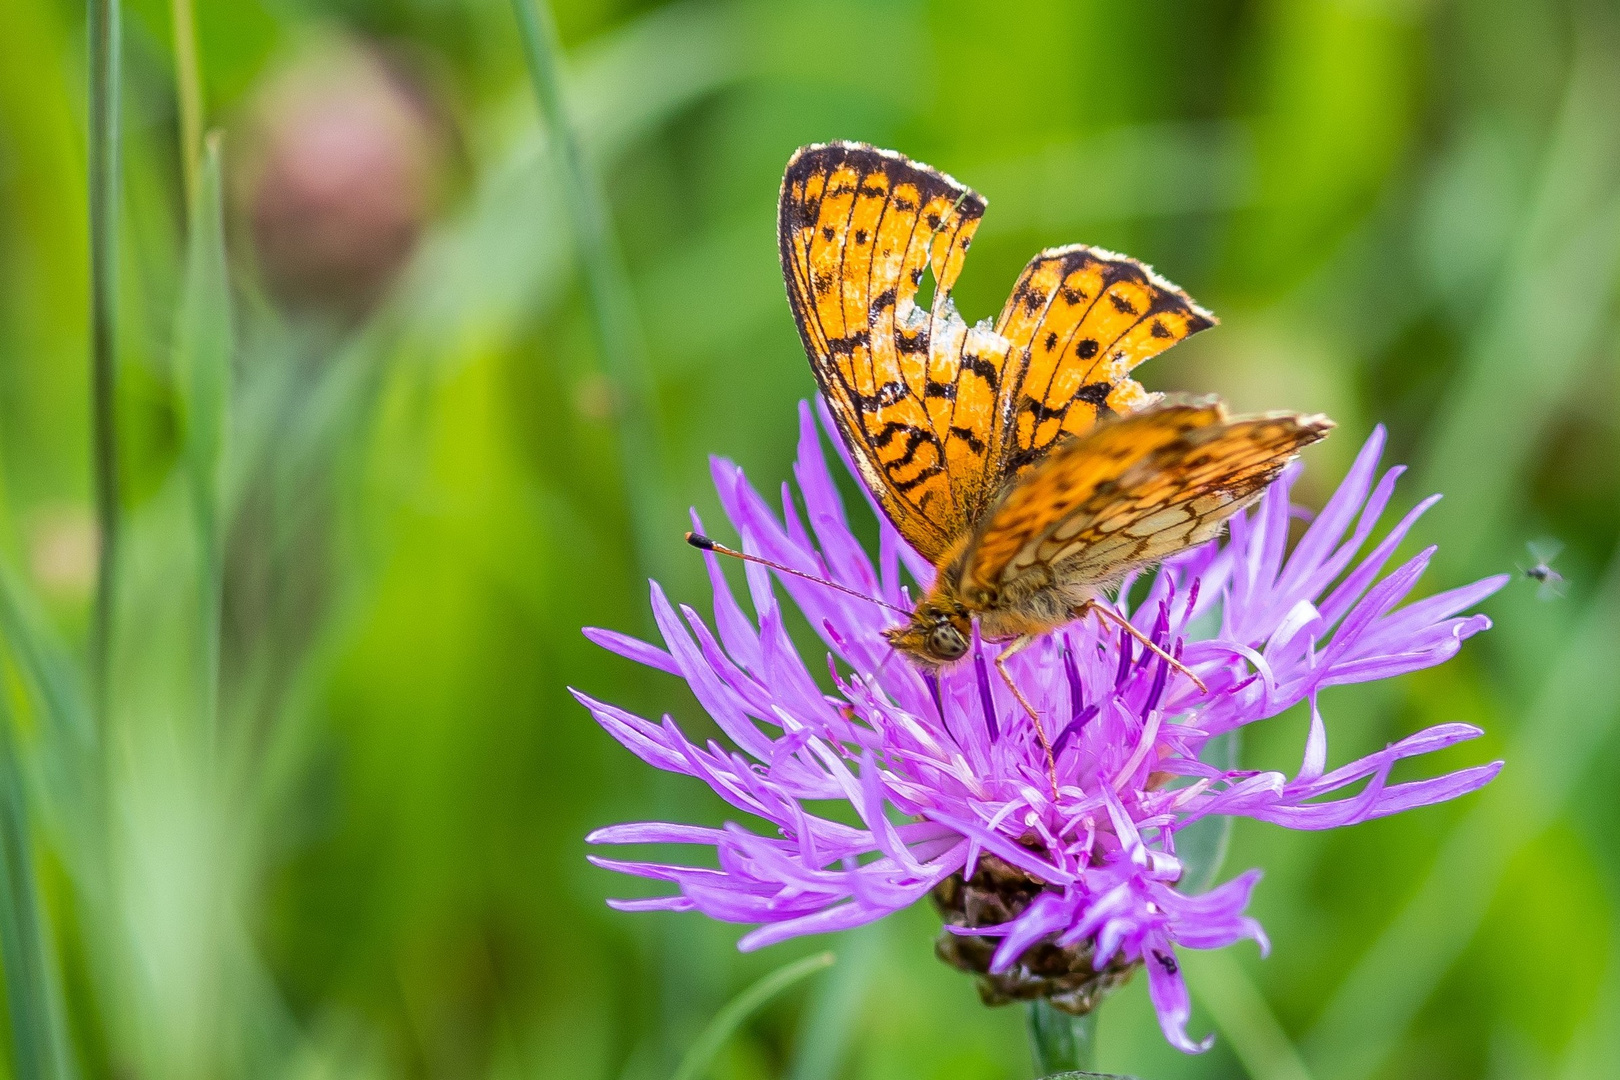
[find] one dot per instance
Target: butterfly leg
(1108, 614)
(1018, 645)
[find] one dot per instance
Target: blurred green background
(367, 432)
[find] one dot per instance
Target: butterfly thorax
(941, 626)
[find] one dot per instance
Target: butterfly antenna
(703, 543)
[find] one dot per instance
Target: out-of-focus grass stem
(104, 32)
(38, 1049)
(1243, 1016)
(613, 308)
(700, 1056)
(203, 349)
(188, 89)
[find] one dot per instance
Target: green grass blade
(613, 307)
(204, 342)
(188, 89)
(832, 1016)
(38, 1044)
(701, 1055)
(67, 736)
(104, 202)
(45, 665)
(1243, 1016)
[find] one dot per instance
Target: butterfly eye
(947, 643)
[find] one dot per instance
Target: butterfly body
(1018, 456)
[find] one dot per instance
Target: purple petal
(1168, 991)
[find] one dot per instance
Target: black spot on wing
(968, 436)
(1040, 411)
(915, 438)
(905, 487)
(882, 300)
(890, 393)
(846, 346)
(981, 367)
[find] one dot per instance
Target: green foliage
(329, 822)
(700, 1056)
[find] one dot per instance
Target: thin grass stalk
(104, 34)
(700, 1056)
(1245, 1019)
(203, 348)
(833, 1014)
(188, 90)
(38, 1044)
(612, 302)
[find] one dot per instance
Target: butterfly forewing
(1129, 493)
(1081, 318)
(914, 391)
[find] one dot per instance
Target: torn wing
(913, 391)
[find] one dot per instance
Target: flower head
(1051, 894)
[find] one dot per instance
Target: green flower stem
(612, 303)
(1059, 1042)
(104, 201)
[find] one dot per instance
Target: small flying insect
(1549, 581)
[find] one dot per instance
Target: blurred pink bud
(343, 166)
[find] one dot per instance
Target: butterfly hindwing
(1080, 318)
(1128, 493)
(914, 391)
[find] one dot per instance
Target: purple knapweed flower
(1057, 895)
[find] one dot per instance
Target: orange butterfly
(1020, 458)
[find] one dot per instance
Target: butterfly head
(937, 633)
